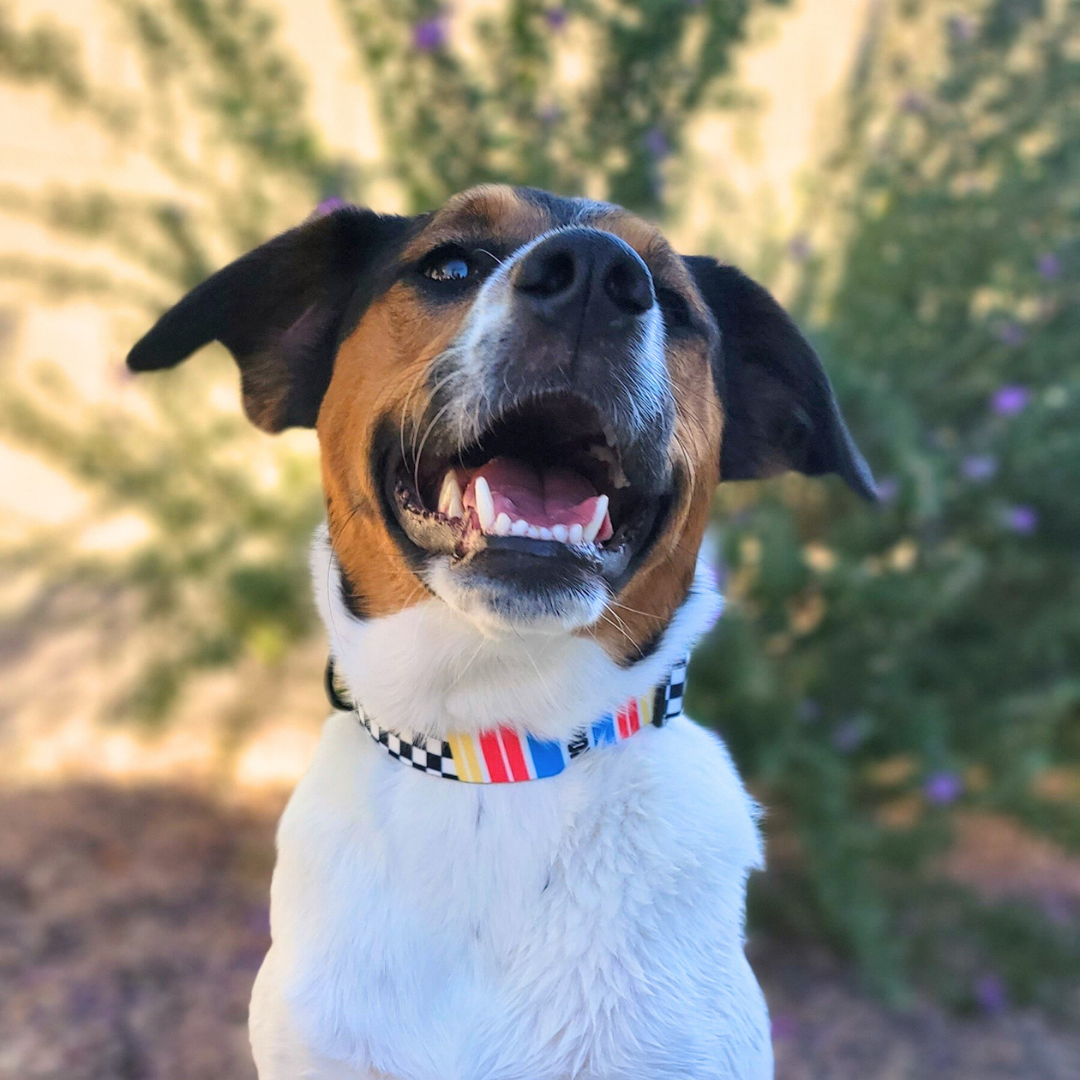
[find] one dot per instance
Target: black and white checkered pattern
(669, 695)
(577, 744)
(425, 755)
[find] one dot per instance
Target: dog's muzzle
(542, 464)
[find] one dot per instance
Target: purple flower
(1010, 399)
(979, 467)
(808, 710)
(328, 206)
(86, 1000)
(848, 736)
(784, 1027)
(656, 142)
(555, 18)
(1057, 909)
(258, 920)
(799, 247)
(549, 114)
(943, 788)
(1049, 266)
(429, 35)
(991, 995)
(1022, 519)
(888, 487)
(1011, 333)
(914, 102)
(961, 28)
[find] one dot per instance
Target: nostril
(629, 285)
(547, 273)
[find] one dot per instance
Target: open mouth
(546, 479)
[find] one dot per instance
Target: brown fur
(644, 607)
(490, 210)
(381, 370)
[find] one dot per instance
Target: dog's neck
(431, 669)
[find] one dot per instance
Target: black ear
(780, 411)
(280, 310)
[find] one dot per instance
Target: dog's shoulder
(699, 782)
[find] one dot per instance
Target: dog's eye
(674, 307)
(454, 268)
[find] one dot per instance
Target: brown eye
(675, 308)
(454, 268)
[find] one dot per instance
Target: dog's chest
(430, 928)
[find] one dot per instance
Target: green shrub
(880, 669)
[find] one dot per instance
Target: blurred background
(900, 684)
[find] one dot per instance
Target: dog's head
(523, 402)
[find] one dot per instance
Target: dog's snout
(584, 272)
(575, 314)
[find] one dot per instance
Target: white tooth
(450, 497)
(502, 525)
(599, 513)
(519, 528)
(576, 534)
(533, 532)
(485, 505)
(545, 534)
(560, 533)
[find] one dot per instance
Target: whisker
(469, 663)
(552, 701)
(619, 628)
(423, 443)
(634, 611)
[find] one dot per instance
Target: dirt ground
(132, 922)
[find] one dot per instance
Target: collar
(503, 755)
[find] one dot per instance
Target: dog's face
(523, 402)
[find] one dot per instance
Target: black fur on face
(282, 310)
(779, 408)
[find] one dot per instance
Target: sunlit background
(900, 684)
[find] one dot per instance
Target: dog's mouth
(547, 479)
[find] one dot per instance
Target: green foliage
(882, 668)
(221, 115)
(501, 112)
(222, 569)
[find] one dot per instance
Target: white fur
(584, 927)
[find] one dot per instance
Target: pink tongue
(553, 497)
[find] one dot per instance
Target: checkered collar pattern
(504, 755)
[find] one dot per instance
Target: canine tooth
(519, 528)
(485, 505)
(576, 534)
(450, 502)
(560, 533)
(593, 527)
(533, 532)
(545, 534)
(502, 525)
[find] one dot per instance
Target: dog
(513, 858)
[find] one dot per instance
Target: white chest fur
(583, 927)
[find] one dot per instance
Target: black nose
(584, 270)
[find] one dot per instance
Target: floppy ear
(280, 310)
(780, 411)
